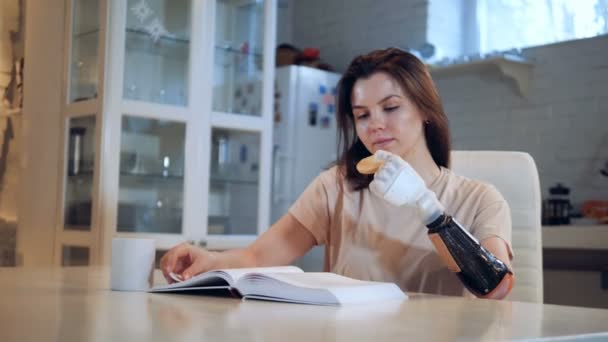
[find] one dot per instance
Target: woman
(387, 106)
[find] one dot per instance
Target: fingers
(383, 155)
(186, 260)
(392, 162)
(173, 261)
(202, 261)
(198, 266)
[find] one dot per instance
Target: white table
(74, 304)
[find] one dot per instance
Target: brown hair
(417, 84)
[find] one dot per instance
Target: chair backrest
(514, 174)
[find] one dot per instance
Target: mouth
(382, 143)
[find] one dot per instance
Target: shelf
(155, 176)
(515, 68)
(230, 49)
(142, 33)
(587, 237)
(226, 180)
(136, 32)
(85, 34)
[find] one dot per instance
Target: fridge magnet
(277, 111)
(325, 122)
(330, 108)
(322, 90)
(313, 109)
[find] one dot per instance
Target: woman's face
(385, 118)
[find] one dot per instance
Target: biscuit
(369, 165)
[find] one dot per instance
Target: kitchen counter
(587, 237)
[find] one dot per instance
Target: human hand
(396, 181)
(186, 261)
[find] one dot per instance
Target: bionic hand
(398, 183)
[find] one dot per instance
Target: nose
(377, 121)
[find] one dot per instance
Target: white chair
(514, 174)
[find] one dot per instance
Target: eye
(361, 116)
(391, 109)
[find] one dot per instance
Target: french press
(557, 206)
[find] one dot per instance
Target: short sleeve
(311, 209)
(493, 218)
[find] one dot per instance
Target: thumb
(195, 268)
(376, 187)
(200, 264)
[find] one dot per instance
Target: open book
(289, 284)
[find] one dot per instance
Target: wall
(342, 29)
(11, 50)
(41, 132)
(285, 19)
(563, 123)
(11, 38)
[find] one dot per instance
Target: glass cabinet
(167, 124)
(84, 42)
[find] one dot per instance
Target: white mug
(132, 264)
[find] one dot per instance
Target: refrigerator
(304, 139)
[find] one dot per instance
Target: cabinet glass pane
(74, 256)
(83, 57)
(157, 51)
(239, 34)
(80, 167)
(151, 184)
(233, 198)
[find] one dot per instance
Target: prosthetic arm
(397, 182)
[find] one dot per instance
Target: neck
(421, 160)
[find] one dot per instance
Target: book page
(316, 288)
(321, 280)
(212, 279)
(237, 273)
(223, 278)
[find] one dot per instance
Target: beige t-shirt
(368, 238)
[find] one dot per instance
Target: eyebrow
(384, 99)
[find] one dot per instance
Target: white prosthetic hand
(399, 184)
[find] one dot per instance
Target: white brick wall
(563, 123)
(343, 29)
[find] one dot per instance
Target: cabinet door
(238, 57)
(240, 145)
(157, 50)
(76, 229)
(84, 39)
(151, 178)
(75, 243)
(149, 113)
(234, 183)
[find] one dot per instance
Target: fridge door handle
(279, 164)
